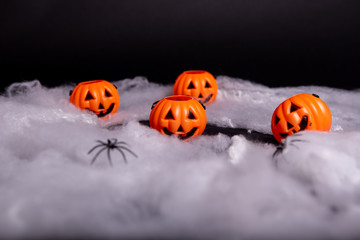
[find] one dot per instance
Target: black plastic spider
(282, 146)
(111, 144)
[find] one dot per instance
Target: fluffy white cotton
(325, 162)
(209, 187)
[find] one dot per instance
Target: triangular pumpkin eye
(191, 115)
(107, 93)
(207, 85)
(89, 96)
(191, 86)
(277, 119)
(293, 108)
(169, 115)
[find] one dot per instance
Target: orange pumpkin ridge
(99, 96)
(180, 115)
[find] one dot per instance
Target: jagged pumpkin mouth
(104, 113)
(207, 99)
(180, 132)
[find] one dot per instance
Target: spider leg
(99, 145)
(291, 144)
(279, 150)
(101, 142)
(121, 143)
(298, 140)
(109, 156)
(275, 161)
(125, 148)
(122, 153)
(97, 154)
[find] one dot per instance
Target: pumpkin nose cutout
(200, 95)
(101, 106)
(180, 129)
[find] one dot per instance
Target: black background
(273, 42)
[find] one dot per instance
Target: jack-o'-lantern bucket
(298, 113)
(98, 96)
(180, 115)
(198, 84)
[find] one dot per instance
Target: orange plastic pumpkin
(180, 115)
(198, 84)
(300, 112)
(99, 96)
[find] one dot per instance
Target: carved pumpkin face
(198, 84)
(98, 96)
(300, 112)
(180, 115)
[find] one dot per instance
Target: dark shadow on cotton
(250, 135)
